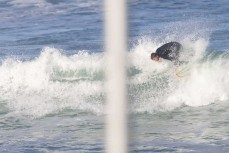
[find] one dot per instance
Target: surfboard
(182, 71)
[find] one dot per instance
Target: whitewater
(53, 81)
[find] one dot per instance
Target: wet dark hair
(153, 55)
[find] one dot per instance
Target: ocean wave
(54, 82)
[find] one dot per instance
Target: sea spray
(161, 90)
(35, 88)
(54, 82)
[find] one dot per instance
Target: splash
(157, 88)
(53, 82)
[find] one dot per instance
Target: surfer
(169, 51)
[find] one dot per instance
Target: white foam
(29, 87)
(53, 82)
(207, 83)
(158, 88)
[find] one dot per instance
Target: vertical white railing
(116, 47)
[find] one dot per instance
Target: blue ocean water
(52, 95)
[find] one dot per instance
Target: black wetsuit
(169, 51)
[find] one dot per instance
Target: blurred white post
(116, 47)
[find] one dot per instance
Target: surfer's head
(155, 57)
